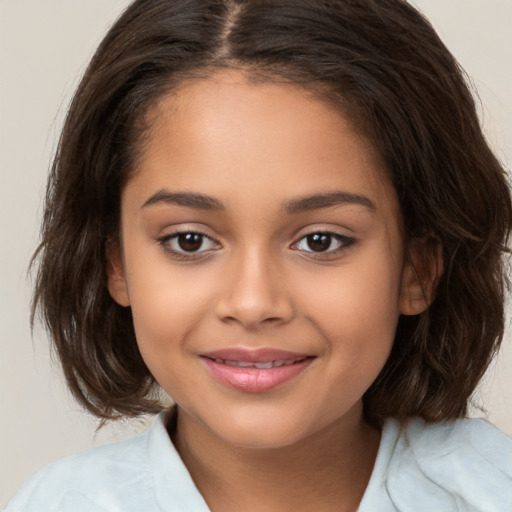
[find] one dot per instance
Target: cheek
(356, 310)
(164, 323)
(363, 293)
(166, 307)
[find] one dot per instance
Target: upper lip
(261, 355)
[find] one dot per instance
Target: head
(378, 66)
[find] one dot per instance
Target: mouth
(255, 371)
(262, 366)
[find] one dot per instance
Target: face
(262, 258)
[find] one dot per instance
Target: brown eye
(324, 243)
(319, 242)
(190, 242)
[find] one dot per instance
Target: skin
(255, 282)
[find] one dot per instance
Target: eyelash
(166, 240)
(345, 243)
(182, 255)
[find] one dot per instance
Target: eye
(187, 243)
(323, 242)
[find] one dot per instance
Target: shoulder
(111, 477)
(465, 439)
(464, 465)
(144, 473)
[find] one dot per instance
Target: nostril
(272, 320)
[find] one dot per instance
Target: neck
(326, 471)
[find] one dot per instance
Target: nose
(254, 293)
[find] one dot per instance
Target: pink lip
(223, 366)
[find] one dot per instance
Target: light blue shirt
(464, 465)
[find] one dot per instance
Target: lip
(236, 367)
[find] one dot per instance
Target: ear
(422, 270)
(115, 274)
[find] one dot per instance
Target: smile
(262, 366)
(255, 371)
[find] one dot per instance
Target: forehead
(266, 137)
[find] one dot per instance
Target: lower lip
(255, 380)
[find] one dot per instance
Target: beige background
(44, 46)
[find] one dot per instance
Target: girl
(284, 214)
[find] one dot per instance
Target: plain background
(44, 47)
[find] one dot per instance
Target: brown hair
(378, 60)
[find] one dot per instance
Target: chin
(257, 430)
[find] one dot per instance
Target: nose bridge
(255, 290)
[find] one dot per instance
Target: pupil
(190, 241)
(319, 242)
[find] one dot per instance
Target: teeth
(262, 366)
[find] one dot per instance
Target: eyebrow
(326, 200)
(294, 206)
(188, 199)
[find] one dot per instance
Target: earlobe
(115, 274)
(422, 270)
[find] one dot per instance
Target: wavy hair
(382, 64)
